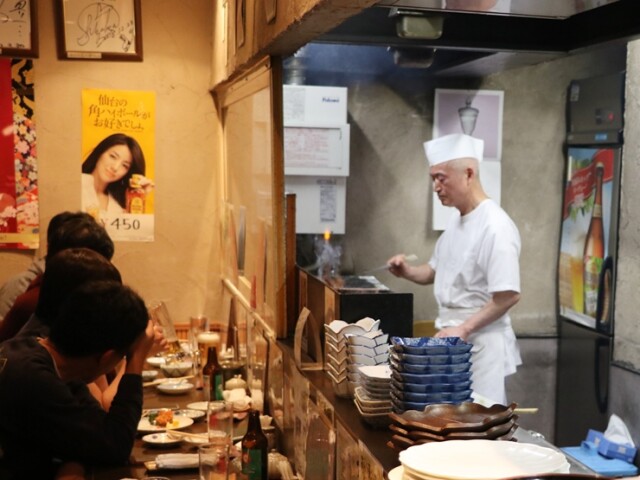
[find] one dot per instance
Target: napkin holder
(587, 454)
(312, 334)
(610, 449)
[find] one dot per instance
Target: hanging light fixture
(468, 116)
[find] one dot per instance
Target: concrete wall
(176, 267)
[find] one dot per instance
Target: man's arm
(495, 308)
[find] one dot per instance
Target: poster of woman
(117, 168)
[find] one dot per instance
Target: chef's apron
(494, 355)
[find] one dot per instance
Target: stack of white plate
(372, 397)
(428, 370)
(477, 460)
(337, 354)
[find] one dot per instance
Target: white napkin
(177, 460)
(617, 431)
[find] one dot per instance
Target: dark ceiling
(479, 43)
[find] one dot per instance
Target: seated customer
(66, 271)
(43, 385)
(66, 230)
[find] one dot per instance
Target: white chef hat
(452, 147)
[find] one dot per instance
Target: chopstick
(177, 433)
(526, 410)
(163, 380)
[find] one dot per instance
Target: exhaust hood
(526, 8)
(480, 37)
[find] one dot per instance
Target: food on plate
(161, 418)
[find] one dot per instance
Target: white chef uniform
(476, 256)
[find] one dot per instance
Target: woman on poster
(106, 174)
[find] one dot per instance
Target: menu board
(321, 150)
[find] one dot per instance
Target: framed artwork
(99, 30)
(19, 32)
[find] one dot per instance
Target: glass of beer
(205, 340)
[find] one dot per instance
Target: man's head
(77, 230)
(98, 321)
(67, 270)
(454, 162)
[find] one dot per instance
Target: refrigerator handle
(601, 372)
(605, 297)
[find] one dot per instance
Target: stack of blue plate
(428, 370)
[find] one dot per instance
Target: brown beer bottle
(594, 249)
(212, 382)
(254, 450)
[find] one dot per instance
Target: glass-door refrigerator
(587, 255)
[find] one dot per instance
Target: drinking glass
(214, 461)
(159, 313)
(197, 325)
(220, 420)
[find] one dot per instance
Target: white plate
(148, 375)
(191, 413)
(160, 440)
(179, 421)
(480, 459)
(175, 388)
(156, 361)
(198, 406)
(396, 473)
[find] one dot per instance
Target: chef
(474, 267)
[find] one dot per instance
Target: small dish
(376, 372)
(177, 369)
(430, 388)
(430, 345)
(194, 414)
(156, 361)
(175, 388)
(202, 406)
(437, 378)
(161, 440)
(430, 369)
(149, 375)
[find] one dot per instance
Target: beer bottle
(594, 249)
(254, 450)
(212, 382)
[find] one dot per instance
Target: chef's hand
(398, 265)
(420, 274)
(459, 331)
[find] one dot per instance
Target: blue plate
(429, 369)
(438, 397)
(430, 379)
(430, 359)
(402, 406)
(430, 388)
(430, 345)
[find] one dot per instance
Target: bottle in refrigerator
(594, 248)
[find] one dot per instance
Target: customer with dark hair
(66, 230)
(66, 271)
(61, 233)
(43, 385)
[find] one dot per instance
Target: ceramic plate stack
(438, 423)
(372, 397)
(337, 354)
(365, 350)
(428, 370)
(478, 460)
